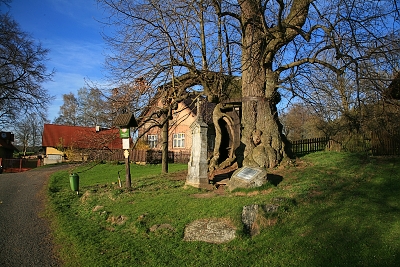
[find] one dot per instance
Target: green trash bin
(74, 182)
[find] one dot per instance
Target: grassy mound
(338, 209)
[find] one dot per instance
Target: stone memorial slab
(197, 166)
(248, 177)
(215, 231)
(248, 173)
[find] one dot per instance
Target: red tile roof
(80, 137)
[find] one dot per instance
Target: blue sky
(71, 31)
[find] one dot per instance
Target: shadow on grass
(274, 179)
(352, 216)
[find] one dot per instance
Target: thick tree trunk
(262, 131)
(164, 161)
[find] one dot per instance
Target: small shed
(6, 147)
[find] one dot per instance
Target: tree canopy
(90, 107)
(278, 48)
(22, 72)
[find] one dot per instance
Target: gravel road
(25, 238)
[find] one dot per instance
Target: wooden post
(127, 169)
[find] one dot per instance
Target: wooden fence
(140, 156)
(384, 144)
(19, 165)
(149, 156)
(306, 146)
(376, 144)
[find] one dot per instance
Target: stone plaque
(248, 173)
(247, 177)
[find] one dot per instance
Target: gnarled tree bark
(260, 82)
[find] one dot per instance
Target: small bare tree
(28, 132)
(299, 122)
(68, 114)
(167, 45)
(92, 108)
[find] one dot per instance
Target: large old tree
(261, 43)
(271, 44)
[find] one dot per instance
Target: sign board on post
(124, 122)
(125, 143)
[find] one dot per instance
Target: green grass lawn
(340, 209)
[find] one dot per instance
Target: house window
(179, 140)
(152, 140)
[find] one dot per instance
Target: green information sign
(124, 133)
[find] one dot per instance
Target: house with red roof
(179, 133)
(77, 143)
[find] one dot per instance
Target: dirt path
(24, 235)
